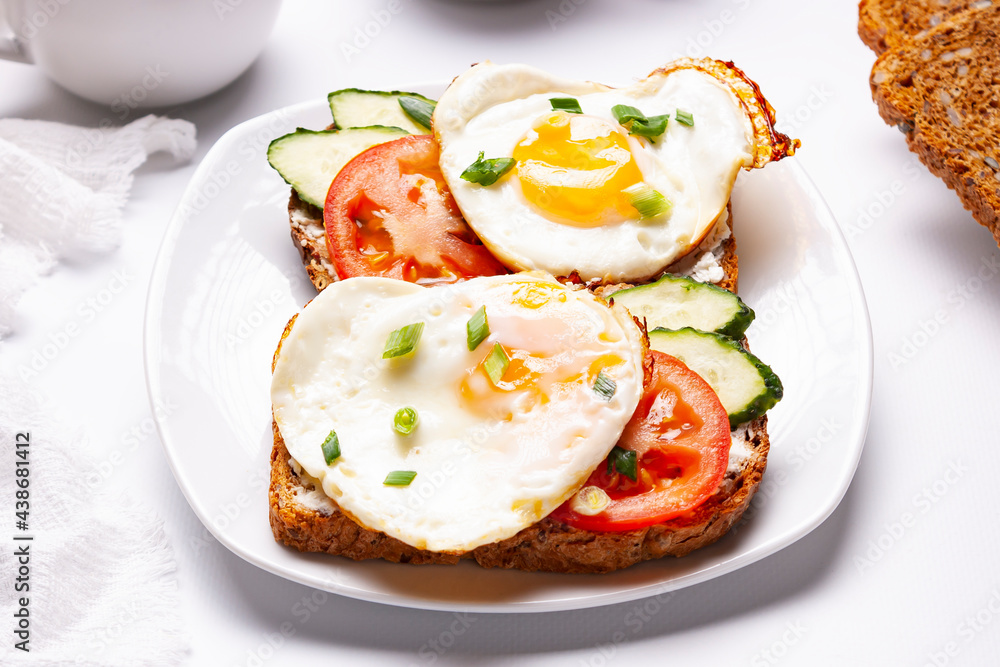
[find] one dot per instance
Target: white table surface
(862, 589)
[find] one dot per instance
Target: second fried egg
(566, 205)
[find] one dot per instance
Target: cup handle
(12, 47)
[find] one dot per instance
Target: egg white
(490, 108)
(484, 471)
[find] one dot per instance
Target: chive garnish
(604, 386)
(417, 109)
(400, 477)
(646, 200)
(623, 460)
(405, 421)
(638, 123)
(477, 328)
(567, 104)
(624, 114)
(486, 172)
(685, 117)
(331, 448)
(403, 341)
(496, 363)
(651, 128)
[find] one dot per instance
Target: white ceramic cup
(138, 53)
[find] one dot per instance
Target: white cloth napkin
(100, 570)
(62, 189)
(102, 588)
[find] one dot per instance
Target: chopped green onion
(403, 341)
(496, 363)
(567, 104)
(405, 421)
(647, 201)
(417, 109)
(685, 117)
(604, 386)
(625, 461)
(402, 477)
(650, 128)
(477, 328)
(486, 172)
(623, 113)
(637, 122)
(331, 448)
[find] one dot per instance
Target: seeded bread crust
(548, 545)
(942, 89)
(309, 236)
(886, 24)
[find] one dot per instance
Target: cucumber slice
(359, 108)
(674, 302)
(309, 160)
(746, 387)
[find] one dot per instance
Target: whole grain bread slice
(942, 89)
(303, 517)
(309, 237)
(886, 24)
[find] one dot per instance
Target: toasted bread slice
(309, 236)
(942, 89)
(303, 517)
(886, 24)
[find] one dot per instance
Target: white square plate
(227, 278)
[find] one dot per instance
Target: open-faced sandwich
(527, 349)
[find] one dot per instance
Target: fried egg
(492, 453)
(563, 206)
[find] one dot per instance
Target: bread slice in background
(885, 24)
(303, 517)
(942, 90)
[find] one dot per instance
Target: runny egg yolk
(574, 168)
(548, 359)
(531, 379)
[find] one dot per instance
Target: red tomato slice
(389, 213)
(680, 434)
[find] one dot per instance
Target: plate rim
(155, 297)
